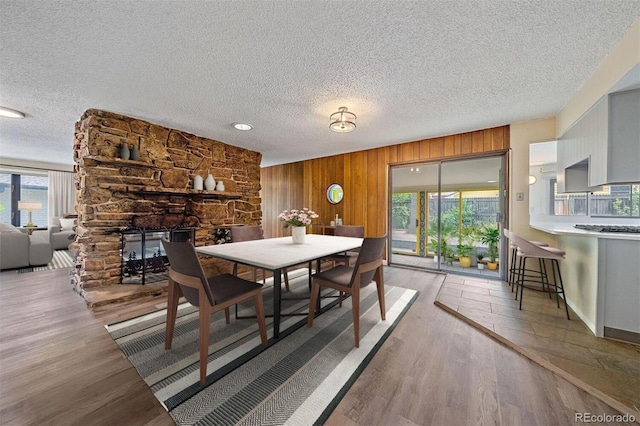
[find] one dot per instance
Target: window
(616, 201)
(16, 187)
(567, 204)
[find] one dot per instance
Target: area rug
(61, 259)
(298, 379)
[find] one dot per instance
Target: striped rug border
(175, 396)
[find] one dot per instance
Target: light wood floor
(541, 331)
(59, 366)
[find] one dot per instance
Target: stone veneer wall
(154, 192)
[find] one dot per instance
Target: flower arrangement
(297, 217)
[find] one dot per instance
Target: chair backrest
(246, 233)
(371, 251)
(183, 259)
(530, 249)
(349, 231)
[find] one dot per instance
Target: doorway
(448, 215)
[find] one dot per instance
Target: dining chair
(209, 294)
(347, 257)
(350, 279)
(252, 233)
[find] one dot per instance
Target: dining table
(276, 254)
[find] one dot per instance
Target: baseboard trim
(623, 335)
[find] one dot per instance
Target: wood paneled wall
(364, 178)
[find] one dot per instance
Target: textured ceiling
(409, 69)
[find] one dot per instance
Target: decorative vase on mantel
(220, 186)
(125, 154)
(210, 183)
(197, 183)
(298, 233)
(135, 153)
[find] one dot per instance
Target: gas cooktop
(627, 229)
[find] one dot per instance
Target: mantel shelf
(119, 161)
(153, 190)
(190, 192)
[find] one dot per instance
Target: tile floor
(541, 331)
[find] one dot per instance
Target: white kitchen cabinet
(603, 146)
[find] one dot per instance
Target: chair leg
(340, 297)
(355, 306)
(257, 302)
(205, 324)
(380, 285)
(315, 293)
(226, 315)
(522, 272)
(554, 262)
(172, 312)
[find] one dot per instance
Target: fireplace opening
(143, 259)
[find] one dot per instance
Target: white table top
(278, 253)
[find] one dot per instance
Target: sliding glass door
(447, 215)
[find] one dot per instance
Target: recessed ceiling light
(491, 181)
(11, 113)
(242, 126)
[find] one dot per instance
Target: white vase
(298, 233)
(210, 183)
(220, 186)
(197, 182)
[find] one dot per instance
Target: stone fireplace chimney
(154, 191)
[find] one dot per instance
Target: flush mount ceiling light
(11, 113)
(242, 126)
(343, 121)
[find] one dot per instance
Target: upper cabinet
(623, 161)
(603, 146)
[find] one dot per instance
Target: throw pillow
(67, 224)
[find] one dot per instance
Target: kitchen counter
(568, 229)
(601, 275)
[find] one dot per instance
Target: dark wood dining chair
(251, 233)
(348, 257)
(350, 279)
(209, 294)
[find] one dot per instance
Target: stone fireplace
(153, 192)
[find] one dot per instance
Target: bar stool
(513, 269)
(528, 250)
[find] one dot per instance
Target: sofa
(61, 232)
(20, 250)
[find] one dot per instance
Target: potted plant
(493, 255)
(446, 233)
(464, 255)
(468, 237)
(480, 257)
(490, 235)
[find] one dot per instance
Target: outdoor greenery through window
(616, 200)
(611, 201)
(460, 210)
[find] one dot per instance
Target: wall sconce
(30, 206)
(415, 169)
(343, 121)
(532, 179)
